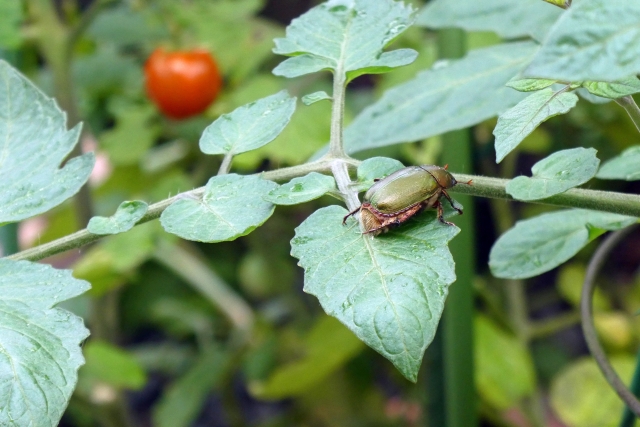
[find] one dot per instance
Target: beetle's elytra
(394, 199)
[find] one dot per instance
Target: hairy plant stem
(336, 147)
(620, 203)
(630, 106)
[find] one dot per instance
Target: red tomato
(183, 83)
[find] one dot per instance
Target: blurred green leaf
(224, 23)
(35, 141)
(452, 95)
(595, 40)
(113, 261)
(582, 397)
(570, 280)
(529, 85)
(504, 368)
(518, 122)
(540, 244)
(626, 166)
(124, 219)
(112, 365)
(12, 16)
(614, 90)
(249, 127)
(133, 134)
(107, 72)
(506, 18)
(328, 346)
(556, 174)
(388, 290)
(40, 343)
(125, 25)
(301, 189)
(179, 406)
(231, 206)
(315, 97)
(346, 37)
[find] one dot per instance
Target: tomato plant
(182, 83)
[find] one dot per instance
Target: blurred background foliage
(187, 334)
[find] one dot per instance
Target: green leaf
(35, 141)
(454, 95)
(180, 405)
(389, 290)
(328, 346)
(504, 368)
(595, 40)
(507, 18)
(614, 90)
(40, 344)
(518, 122)
(133, 133)
(109, 364)
(127, 25)
(250, 126)
(11, 12)
(315, 97)
(626, 166)
(232, 206)
(539, 244)
(582, 397)
(124, 219)
(376, 168)
(302, 189)
(556, 174)
(346, 37)
(529, 85)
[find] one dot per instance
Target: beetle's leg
(353, 212)
(445, 194)
(438, 205)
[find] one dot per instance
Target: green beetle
(393, 200)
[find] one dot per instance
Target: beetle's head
(440, 174)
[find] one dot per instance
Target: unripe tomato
(182, 83)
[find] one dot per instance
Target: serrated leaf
(595, 40)
(315, 97)
(250, 126)
(582, 397)
(504, 368)
(375, 168)
(614, 90)
(35, 141)
(301, 189)
(328, 346)
(389, 290)
(346, 37)
(529, 85)
(539, 244)
(455, 95)
(40, 343)
(556, 174)
(11, 12)
(626, 166)
(124, 219)
(232, 206)
(518, 122)
(506, 18)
